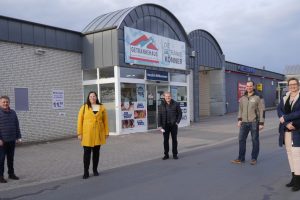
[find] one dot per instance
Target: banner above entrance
(157, 75)
(145, 48)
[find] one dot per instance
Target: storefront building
(207, 60)
(236, 77)
(131, 57)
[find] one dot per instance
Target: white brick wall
(20, 67)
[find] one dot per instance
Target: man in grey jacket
(9, 135)
(251, 118)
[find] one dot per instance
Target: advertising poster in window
(140, 92)
(133, 107)
(174, 92)
(241, 90)
(184, 118)
(140, 115)
(58, 99)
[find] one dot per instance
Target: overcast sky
(256, 33)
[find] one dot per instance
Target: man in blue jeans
(251, 117)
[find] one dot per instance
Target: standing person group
(169, 116)
(251, 117)
(92, 131)
(9, 135)
(289, 130)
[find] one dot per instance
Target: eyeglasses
(294, 84)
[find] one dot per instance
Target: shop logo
(140, 122)
(127, 115)
(144, 49)
(140, 105)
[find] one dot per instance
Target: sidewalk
(41, 163)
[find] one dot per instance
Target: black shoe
(85, 176)
(13, 176)
(175, 157)
(292, 182)
(2, 180)
(96, 173)
(296, 186)
(165, 157)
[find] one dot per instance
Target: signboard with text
(145, 48)
(241, 90)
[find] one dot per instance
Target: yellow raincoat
(93, 128)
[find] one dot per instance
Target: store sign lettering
(145, 48)
(140, 105)
(140, 122)
(127, 115)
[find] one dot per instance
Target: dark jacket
(293, 117)
(162, 113)
(9, 126)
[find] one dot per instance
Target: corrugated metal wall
(207, 50)
(232, 79)
(100, 50)
(207, 54)
(23, 32)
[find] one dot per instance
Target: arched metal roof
(107, 21)
(118, 19)
(207, 50)
(201, 31)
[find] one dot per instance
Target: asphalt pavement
(54, 161)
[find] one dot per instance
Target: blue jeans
(247, 127)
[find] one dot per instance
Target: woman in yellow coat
(92, 131)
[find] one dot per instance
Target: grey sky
(256, 33)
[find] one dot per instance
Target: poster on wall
(184, 118)
(140, 92)
(144, 48)
(58, 99)
(241, 90)
(127, 118)
(134, 116)
(174, 92)
(140, 115)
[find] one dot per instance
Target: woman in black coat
(289, 130)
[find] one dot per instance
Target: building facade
(130, 57)
(236, 77)
(38, 63)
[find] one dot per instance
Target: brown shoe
(237, 161)
(253, 162)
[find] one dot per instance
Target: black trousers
(170, 129)
(7, 150)
(87, 158)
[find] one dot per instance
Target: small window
(90, 74)
(176, 77)
(87, 89)
(21, 99)
(132, 73)
(106, 72)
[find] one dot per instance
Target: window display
(133, 106)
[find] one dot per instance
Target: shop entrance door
(154, 97)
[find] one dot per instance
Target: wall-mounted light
(193, 54)
(39, 51)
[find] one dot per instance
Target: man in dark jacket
(169, 116)
(9, 135)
